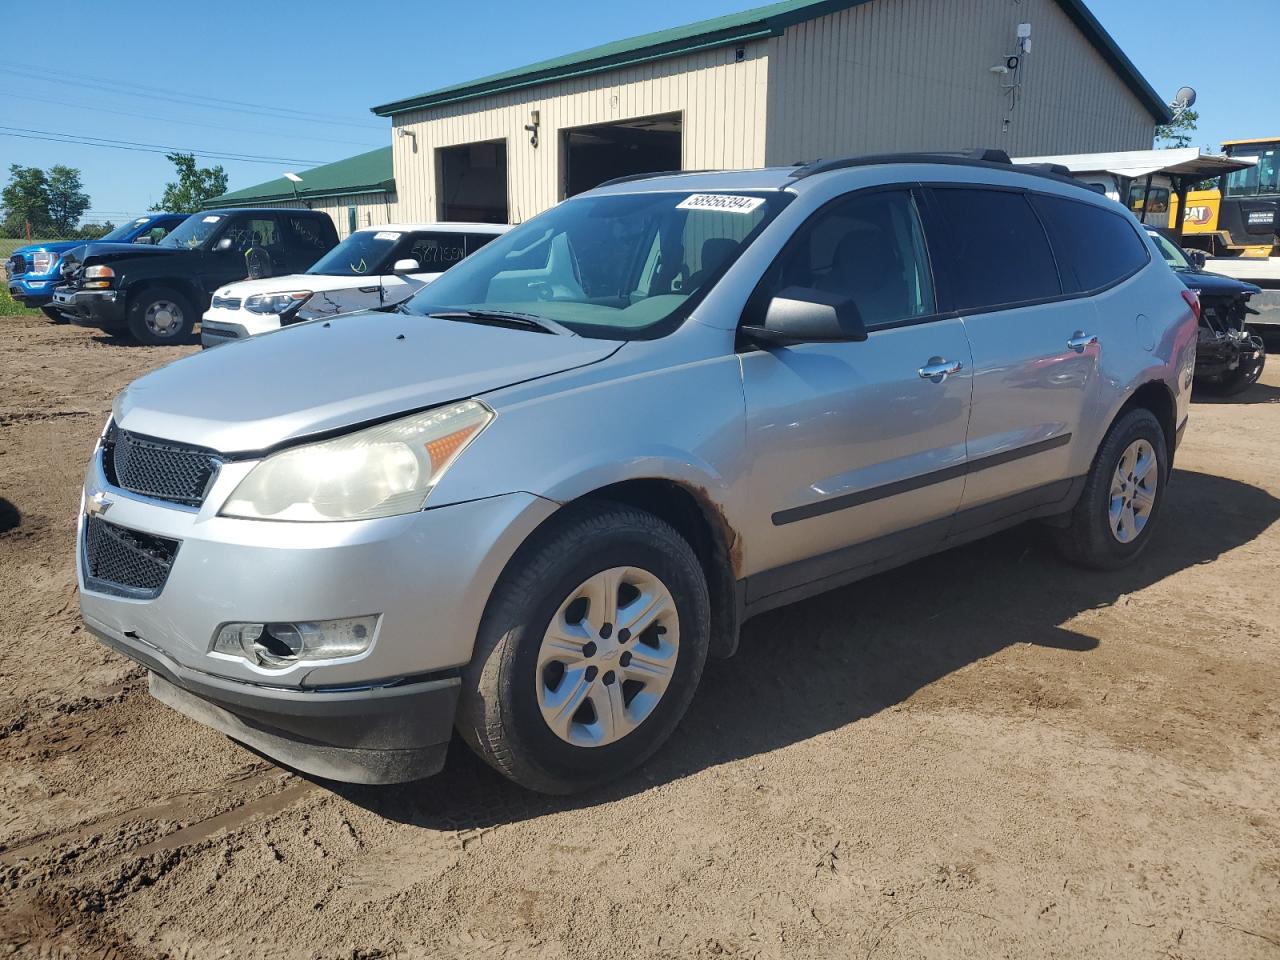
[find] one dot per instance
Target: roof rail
(988, 158)
(631, 178)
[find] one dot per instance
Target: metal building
(359, 191)
(791, 81)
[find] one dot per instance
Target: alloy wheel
(1133, 491)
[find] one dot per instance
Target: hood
(327, 375)
(53, 246)
(314, 282)
(96, 249)
(1216, 284)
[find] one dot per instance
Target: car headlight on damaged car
(275, 302)
(380, 471)
(98, 276)
(284, 644)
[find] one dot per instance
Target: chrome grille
(157, 468)
(226, 303)
(115, 557)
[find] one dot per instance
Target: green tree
(25, 200)
(1177, 132)
(194, 185)
(67, 199)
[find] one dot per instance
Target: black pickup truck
(159, 292)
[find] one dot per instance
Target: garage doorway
(598, 153)
(473, 182)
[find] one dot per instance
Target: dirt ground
(985, 754)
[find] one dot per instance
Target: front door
(857, 449)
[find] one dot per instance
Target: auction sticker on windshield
(724, 202)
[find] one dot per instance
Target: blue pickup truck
(34, 270)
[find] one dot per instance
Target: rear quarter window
(997, 251)
(1095, 247)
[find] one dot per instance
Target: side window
(249, 232)
(869, 248)
(437, 252)
(1095, 247)
(307, 234)
(997, 250)
(477, 240)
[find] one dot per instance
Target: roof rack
(988, 158)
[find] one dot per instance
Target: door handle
(1079, 340)
(938, 369)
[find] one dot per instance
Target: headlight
(98, 270)
(380, 471)
(43, 260)
(275, 302)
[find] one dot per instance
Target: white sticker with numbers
(386, 235)
(723, 202)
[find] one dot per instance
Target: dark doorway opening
(595, 154)
(473, 182)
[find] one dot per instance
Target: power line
(25, 133)
(123, 88)
(191, 123)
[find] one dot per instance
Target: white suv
(397, 259)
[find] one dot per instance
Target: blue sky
(293, 81)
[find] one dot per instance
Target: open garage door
(473, 182)
(595, 154)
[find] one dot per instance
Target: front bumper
(219, 326)
(32, 292)
(388, 733)
(91, 308)
(428, 574)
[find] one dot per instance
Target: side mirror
(145, 238)
(1198, 259)
(806, 315)
(407, 265)
(223, 245)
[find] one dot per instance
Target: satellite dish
(1185, 98)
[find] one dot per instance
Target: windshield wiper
(502, 318)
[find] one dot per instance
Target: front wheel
(161, 316)
(589, 651)
(1113, 520)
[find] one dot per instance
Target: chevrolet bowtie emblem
(97, 505)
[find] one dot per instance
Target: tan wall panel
(722, 102)
(915, 75)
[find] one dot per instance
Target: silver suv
(533, 501)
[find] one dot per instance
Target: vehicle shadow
(10, 518)
(818, 665)
(122, 338)
(1257, 393)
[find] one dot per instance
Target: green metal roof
(367, 173)
(753, 24)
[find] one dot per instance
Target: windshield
(192, 232)
(122, 232)
(619, 267)
(361, 253)
(1171, 252)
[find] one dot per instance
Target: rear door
(857, 449)
(306, 241)
(1035, 358)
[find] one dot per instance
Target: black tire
(54, 315)
(499, 715)
(154, 297)
(1238, 380)
(1087, 539)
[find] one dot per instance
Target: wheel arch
(180, 284)
(1155, 396)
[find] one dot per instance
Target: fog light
(283, 644)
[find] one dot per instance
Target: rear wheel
(589, 651)
(54, 315)
(160, 316)
(1115, 515)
